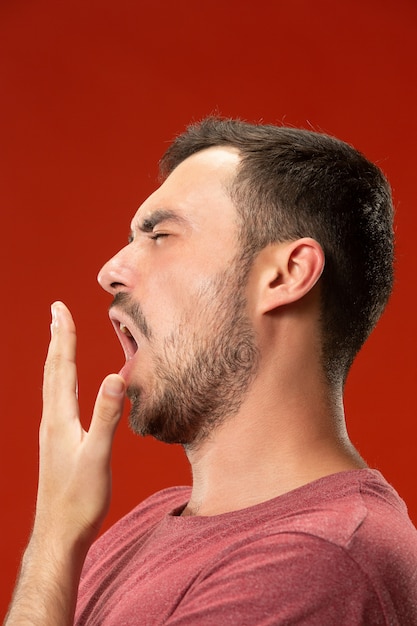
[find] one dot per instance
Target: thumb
(107, 412)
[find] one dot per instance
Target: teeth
(124, 329)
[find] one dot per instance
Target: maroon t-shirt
(338, 551)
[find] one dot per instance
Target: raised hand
(74, 484)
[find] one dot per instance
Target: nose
(116, 275)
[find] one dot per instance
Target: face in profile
(180, 307)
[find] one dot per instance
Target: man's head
(294, 183)
(227, 252)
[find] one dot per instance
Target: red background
(91, 93)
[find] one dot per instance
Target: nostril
(110, 280)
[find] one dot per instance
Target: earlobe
(291, 270)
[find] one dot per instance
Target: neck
(269, 448)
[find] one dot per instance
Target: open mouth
(126, 338)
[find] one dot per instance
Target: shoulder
(340, 550)
(353, 517)
(339, 507)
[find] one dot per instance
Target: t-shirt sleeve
(291, 578)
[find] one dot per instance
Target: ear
(288, 271)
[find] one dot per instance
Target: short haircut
(294, 183)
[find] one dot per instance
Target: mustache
(130, 307)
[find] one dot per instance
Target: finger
(106, 415)
(60, 375)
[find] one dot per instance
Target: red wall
(91, 92)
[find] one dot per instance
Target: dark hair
(294, 183)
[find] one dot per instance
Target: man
(252, 277)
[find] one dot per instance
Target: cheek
(171, 298)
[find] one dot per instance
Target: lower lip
(126, 371)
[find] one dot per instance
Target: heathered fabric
(338, 551)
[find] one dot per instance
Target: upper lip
(129, 344)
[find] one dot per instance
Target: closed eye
(156, 236)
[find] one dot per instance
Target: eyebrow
(160, 215)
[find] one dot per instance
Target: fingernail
(54, 323)
(114, 386)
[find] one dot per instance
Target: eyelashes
(156, 236)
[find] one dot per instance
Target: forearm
(46, 591)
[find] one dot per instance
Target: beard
(204, 369)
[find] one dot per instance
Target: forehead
(196, 190)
